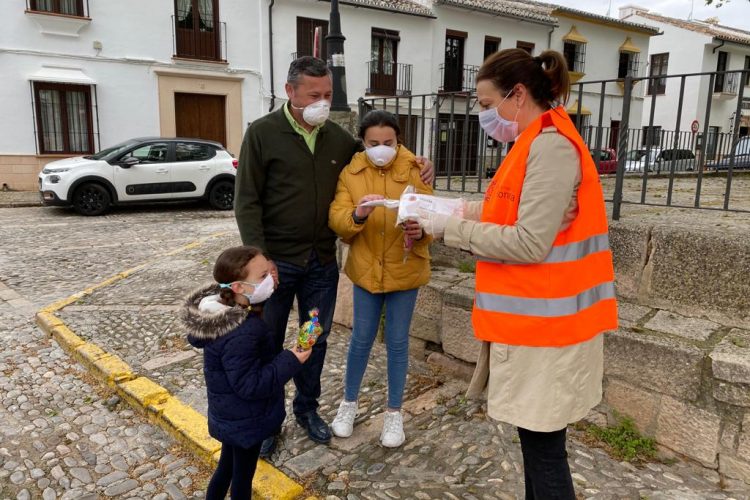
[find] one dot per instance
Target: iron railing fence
(206, 42)
(458, 78)
(634, 137)
(389, 78)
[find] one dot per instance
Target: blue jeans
(399, 307)
(314, 285)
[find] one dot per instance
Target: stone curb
(181, 421)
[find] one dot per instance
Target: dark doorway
(454, 61)
(452, 149)
(201, 116)
(614, 134)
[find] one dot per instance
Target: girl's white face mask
(262, 291)
(381, 156)
(498, 127)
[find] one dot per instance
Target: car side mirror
(129, 162)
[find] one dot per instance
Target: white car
(139, 170)
(660, 160)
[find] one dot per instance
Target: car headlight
(54, 170)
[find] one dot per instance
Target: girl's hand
(363, 212)
(301, 355)
(413, 230)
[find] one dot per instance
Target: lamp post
(335, 48)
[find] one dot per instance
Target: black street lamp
(335, 48)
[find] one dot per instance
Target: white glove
(434, 223)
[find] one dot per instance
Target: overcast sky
(735, 13)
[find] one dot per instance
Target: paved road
(62, 437)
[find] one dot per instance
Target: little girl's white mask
(381, 156)
(262, 291)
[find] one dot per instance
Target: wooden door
(201, 116)
(454, 62)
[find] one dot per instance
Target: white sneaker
(393, 430)
(343, 424)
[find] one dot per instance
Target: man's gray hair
(306, 66)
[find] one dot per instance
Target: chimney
(630, 10)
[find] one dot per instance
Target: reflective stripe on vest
(546, 308)
(566, 253)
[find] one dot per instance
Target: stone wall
(679, 364)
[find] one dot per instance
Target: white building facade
(689, 47)
(82, 75)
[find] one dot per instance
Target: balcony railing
(208, 43)
(455, 78)
(727, 83)
(389, 78)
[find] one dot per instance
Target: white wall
(136, 38)
(602, 60)
(356, 23)
(691, 52)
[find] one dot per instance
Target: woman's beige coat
(538, 388)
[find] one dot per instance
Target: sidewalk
(452, 449)
(12, 199)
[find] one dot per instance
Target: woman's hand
(362, 212)
(413, 230)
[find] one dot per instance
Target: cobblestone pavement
(61, 435)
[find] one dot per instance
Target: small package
(309, 331)
(412, 206)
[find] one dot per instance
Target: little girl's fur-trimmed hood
(203, 327)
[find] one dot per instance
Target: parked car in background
(660, 160)
(607, 160)
(142, 170)
(741, 154)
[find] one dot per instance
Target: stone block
(455, 367)
(457, 334)
(734, 468)
(629, 246)
(631, 314)
(642, 406)
(682, 326)
(743, 450)
(729, 435)
(460, 296)
(734, 394)
(344, 312)
(430, 299)
(447, 256)
(689, 430)
(701, 267)
(417, 348)
(425, 329)
(730, 359)
(427, 401)
(311, 461)
(655, 363)
(366, 431)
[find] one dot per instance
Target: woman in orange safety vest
(544, 278)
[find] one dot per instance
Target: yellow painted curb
(178, 419)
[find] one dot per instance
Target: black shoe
(268, 446)
(317, 430)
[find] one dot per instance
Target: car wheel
(221, 196)
(91, 199)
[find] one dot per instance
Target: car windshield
(106, 154)
(636, 155)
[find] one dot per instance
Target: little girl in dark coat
(244, 378)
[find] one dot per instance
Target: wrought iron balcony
(204, 42)
(458, 78)
(389, 78)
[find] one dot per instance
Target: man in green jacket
(289, 167)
